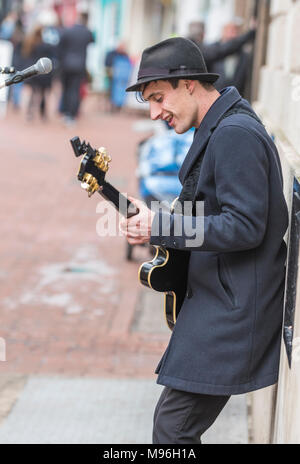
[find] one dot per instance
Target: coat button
(175, 244)
(163, 242)
(189, 292)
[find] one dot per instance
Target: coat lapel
(199, 143)
(229, 97)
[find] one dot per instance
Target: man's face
(230, 31)
(176, 106)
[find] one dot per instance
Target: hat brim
(204, 77)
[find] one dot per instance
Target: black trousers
(181, 417)
(37, 101)
(70, 101)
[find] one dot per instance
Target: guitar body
(167, 272)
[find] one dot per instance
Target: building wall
(220, 12)
(275, 411)
(137, 23)
(215, 13)
(147, 22)
(195, 12)
(107, 20)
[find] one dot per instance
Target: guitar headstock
(93, 166)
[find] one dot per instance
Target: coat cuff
(162, 232)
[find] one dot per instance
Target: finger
(123, 232)
(133, 199)
(123, 226)
(134, 224)
(133, 235)
(134, 241)
(136, 202)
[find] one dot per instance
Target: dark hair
(31, 41)
(174, 81)
(84, 18)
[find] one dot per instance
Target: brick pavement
(68, 296)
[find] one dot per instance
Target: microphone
(42, 66)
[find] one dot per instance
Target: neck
(206, 100)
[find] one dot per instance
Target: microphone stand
(7, 70)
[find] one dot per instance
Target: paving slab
(58, 410)
(11, 386)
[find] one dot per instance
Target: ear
(189, 85)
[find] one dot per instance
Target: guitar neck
(120, 202)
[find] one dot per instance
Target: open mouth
(171, 121)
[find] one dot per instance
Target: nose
(155, 111)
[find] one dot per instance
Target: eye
(159, 100)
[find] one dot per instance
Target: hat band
(152, 72)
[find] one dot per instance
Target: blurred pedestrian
(7, 26)
(196, 32)
(118, 71)
(33, 49)
(236, 68)
(109, 59)
(72, 62)
(53, 27)
(219, 50)
(17, 39)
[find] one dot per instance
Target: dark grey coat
(227, 336)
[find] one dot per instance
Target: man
(118, 69)
(234, 69)
(72, 51)
(216, 51)
(227, 336)
(196, 32)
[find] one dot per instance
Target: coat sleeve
(241, 168)
(219, 50)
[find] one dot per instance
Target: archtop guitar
(167, 272)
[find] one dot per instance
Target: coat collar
(229, 97)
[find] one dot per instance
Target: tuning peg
(104, 155)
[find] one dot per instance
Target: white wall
(220, 12)
(278, 421)
(6, 51)
(186, 12)
(215, 13)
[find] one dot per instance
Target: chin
(181, 130)
(182, 126)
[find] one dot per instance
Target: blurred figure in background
(197, 32)
(118, 71)
(109, 59)
(7, 26)
(233, 69)
(33, 49)
(72, 61)
(17, 39)
(231, 44)
(52, 29)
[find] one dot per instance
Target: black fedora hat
(177, 57)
